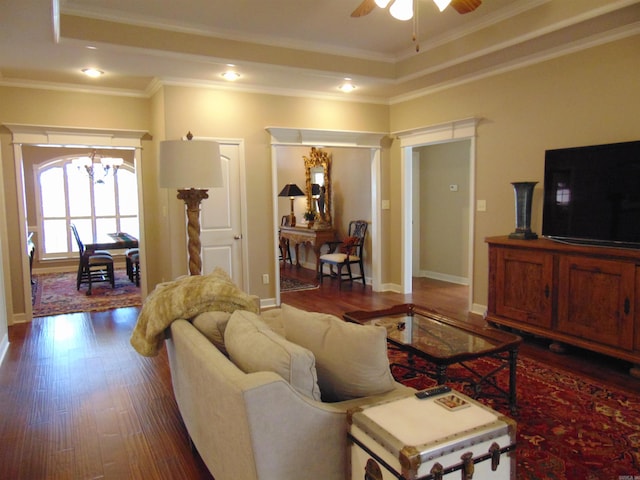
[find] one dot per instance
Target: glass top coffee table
(445, 341)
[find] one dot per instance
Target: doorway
(58, 136)
(441, 212)
(371, 142)
(438, 134)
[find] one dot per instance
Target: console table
(308, 236)
(574, 294)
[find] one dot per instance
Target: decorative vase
(310, 224)
(524, 197)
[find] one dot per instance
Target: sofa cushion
(254, 347)
(351, 359)
(212, 326)
(273, 318)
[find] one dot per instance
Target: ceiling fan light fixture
(402, 10)
(442, 4)
(382, 3)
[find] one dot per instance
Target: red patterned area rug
(291, 284)
(56, 294)
(569, 428)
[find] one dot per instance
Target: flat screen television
(592, 195)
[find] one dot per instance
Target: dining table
(111, 241)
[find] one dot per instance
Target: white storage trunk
(411, 439)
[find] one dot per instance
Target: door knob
(237, 237)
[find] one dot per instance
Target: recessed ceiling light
(91, 47)
(347, 86)
(92, 72)
(231, 75)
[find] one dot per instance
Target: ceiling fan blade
(365, 8)
(465, 6)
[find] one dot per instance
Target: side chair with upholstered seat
(284, 246)
(351, 250)
(93, 267)
(132, 258)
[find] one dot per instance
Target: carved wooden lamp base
(192, 198)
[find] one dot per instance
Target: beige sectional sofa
(265, 396)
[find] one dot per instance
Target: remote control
(431, 392)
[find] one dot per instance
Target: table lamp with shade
(291, 190)
(191, 166)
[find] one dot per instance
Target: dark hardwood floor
(77, 402)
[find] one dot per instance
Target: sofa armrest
(249, 425)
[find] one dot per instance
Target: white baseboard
(479, 309)
(390, 287)
(443, 277)
(267, 303)
(4, 347)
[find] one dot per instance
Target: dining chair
(93, 267)
(132, 257)
(284, 222)
(351, 250)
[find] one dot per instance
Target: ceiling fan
(461, 6)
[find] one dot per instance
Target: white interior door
(221, 220)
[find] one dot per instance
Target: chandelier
(89, 163)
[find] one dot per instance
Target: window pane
(68, 195)
(104, 226)
(79, 192)
(130, 226)
(103, 192)
(128, 192)
(55, 236)
(52, 190)
(84, 230)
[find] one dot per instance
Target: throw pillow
(348, 243)
(254, 347)
(351, 359)
(212, 326)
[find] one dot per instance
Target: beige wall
(224, 114)
(52, 108)
(587, 98)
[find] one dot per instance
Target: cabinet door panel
(524, 285)
(596, 300)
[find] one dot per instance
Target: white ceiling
(293, 47)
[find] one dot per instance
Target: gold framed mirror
(318, 186)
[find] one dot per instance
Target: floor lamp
(191, 166)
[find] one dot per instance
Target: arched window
(104, 203)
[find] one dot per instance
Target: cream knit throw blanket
(185, 298)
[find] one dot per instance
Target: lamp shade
(291, 190)
(189, 164)
(315, 189)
